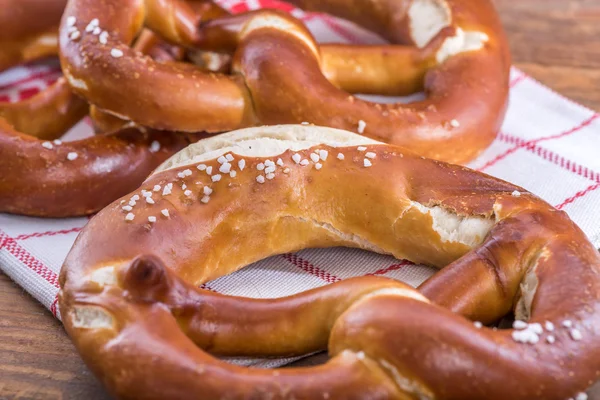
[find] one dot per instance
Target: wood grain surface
(555, 41)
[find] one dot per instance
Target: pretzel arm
(28, 30)
(384, 70)
(236, 326)
(47, 115)
(76, 178)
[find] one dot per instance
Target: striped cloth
(548, 145)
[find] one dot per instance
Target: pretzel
(454, 50)
(28, 30)
(47, 115)
(42, 176)
(130, 300)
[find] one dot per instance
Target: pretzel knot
(131, 303)
(453, 50)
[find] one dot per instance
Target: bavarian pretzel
(454, 50)
(28, 30)
(130, 300)
(42, 176)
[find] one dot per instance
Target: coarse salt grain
(318, 166)
(156, 188)
(323, 154)
(286, 170)
(93, 23)
(520, 324)
(129, 217)
(260, 166)
(340, 156)
(549, 326)
(116, 53)
(280, 162)
(103, 38)
(216, 178)
(72, 156)
(71, 20)
(525, 336)
(168, 189)
(361, 126)
(516, 193)
(454, 123)
(367, 163)
(225, 168)
(361, 148)
(152, 219)
(370, 155)
(96, 31)
(576, 334)
(304, 123)
(221, 159)
(260, 179)
(478, 324)
(165, 212)
(270, 169)
(205, 199)
(188, 193)
(149, 200)
(270, 176)
(581, 396)
(242, 164)
(201, 167)
(74, 35)
(183, 186)
(315, 158)
(304, 162)
(536, 328)
(209, 170)
(567, 323)
(296, 157)
(57, 142)
(269, 163)
(229, 157)
(47, 145)
(233, 174)
(207, 191)
(154, 146)
(127, 208)
(550, 339)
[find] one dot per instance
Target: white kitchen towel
(548, 145)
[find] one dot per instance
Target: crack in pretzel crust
(131, 303)
(454, 51)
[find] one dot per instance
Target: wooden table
(555, 41)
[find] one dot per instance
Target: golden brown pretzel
(63, 179)
(129, 287)
(47, 115)
(280, 75)
(28, 30)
